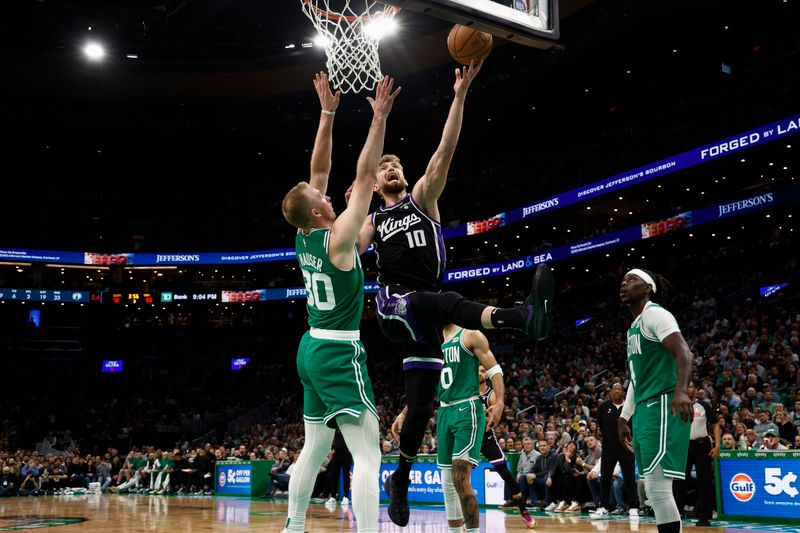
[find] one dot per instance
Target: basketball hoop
(351, 37)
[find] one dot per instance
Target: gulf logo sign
(742, 487)
(222, 479)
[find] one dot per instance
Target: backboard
(529, 22)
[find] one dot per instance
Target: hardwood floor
(146, 514)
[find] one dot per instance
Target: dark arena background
(151, 305)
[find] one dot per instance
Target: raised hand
(384, 97)
(464, 77)
(327, 99)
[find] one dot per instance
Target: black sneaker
(703, 522)
(398, 500)
(537, 309)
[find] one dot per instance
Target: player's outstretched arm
(367, 233)
(429, 188)
(479, 345)
(345, 230)
(321, 156)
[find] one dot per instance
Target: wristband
(494, 371)
(330, 113)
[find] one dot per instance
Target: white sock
(456, 529)
(452, 505)
(319, 439)
(474, 530)
(361, 435)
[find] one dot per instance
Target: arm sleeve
(629, 407)
(658, 323)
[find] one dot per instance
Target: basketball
(466, 44)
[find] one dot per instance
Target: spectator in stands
(103, 473)
(767, 404)
(386, 448)
(279, 475)
(29, 475)
(728, 442)
(8, 483)
(764, 424)
(538, 475)
(203, 478)
(772, 442)
(525, 465)
(587, 463)
(563, 477)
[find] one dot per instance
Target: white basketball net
(352, 29)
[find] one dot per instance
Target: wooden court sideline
(141, 514)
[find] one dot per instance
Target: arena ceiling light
(94, 51)
(380, 28)
(323, 41)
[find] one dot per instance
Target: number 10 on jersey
(416, 238)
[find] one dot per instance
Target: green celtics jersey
(459, 377)
(653, 368)
(335, 298)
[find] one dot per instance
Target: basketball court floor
(144, 514)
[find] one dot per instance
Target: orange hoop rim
(330, 15)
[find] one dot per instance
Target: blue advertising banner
(41, 256)
(235, 479)
(689, 219)
(761, 135)
(426, 482)
(760, 484)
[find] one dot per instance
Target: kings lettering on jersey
(389, 226)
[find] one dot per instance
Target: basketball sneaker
(397, 491)
(537, 309)
(600, 513)
(530, 523)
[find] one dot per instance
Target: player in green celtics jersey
(660, 363)
(461, 420)
(331, 360)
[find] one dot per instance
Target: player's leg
(534, 317)
(664, 445)
(491, 450)
(312, 357)
(444, 459)
(342, 381)
(318, 441)
(462, 470)
(420, 390)
(659, 492)
(361, 435)
(468, 429)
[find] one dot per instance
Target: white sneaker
(331, 501)
(574, 508)
(562, 506)
(633, 514)
(550, 507)
(345, 502)
(599, 513)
